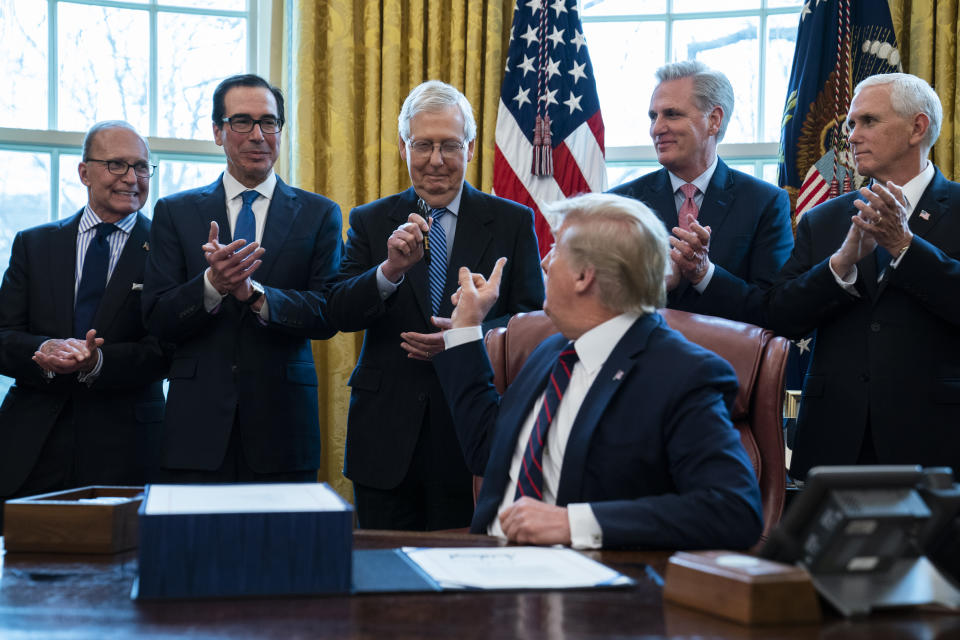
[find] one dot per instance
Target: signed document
(513, 568)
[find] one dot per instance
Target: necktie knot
(689, 190)
(249, 196)
(438, 213)
(104, 229)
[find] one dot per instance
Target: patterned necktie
(530, 482)
(246, 226)
(437, 269)
(93, 281)
(689, 206)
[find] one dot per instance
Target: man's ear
(218, 134)
(921, 122)
(716, 119)
(82, 170)
(586, 277)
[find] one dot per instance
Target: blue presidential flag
(839, 43)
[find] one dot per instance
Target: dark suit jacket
(889, 355)
(118, 417)
(750, 220)
(229, 362)
(390, 393)
(652, 449)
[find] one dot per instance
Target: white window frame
(55, 142)
(756, 153)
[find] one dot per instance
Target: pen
(425, 213)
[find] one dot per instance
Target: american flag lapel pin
(925, 215)
(146, 246)
(618, 375)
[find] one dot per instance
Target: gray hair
(434, 95)
(910, 95)
(103, 126)
(710, 88)
(624, 242)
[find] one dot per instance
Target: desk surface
(67, 597)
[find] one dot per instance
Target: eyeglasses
(450, 150)
(244, 124)
(120, 168)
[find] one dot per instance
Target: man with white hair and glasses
(397, 275)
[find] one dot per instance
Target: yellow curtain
(350, 64)
(927, 37)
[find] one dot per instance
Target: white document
(170, 499)
(513, 568)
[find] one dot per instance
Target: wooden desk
(89, 597)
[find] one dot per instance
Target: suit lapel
(718, 199)
(128, 269)
(63, 267)
(662, 200)
(416, 278)
(469, 243)
(612, 374)
(283, 212)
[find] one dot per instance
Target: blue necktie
(437, 269)
(530, 480)
(93, 281)
(246, 226)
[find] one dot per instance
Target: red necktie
(530, 482)
(689, 206)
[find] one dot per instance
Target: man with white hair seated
(617, 430)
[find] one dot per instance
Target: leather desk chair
(758, 357)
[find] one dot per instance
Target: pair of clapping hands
(881, 220)
(231, 265)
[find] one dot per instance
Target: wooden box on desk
(73, 521)
(740, 587)
(207, 541)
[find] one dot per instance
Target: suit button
(875, 327)
(233, 368)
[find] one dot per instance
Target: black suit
(749, 218)
(116, 419)
(887, 357)
(393, 397)
(229, 369)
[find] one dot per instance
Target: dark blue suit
(889, 357)
(391, 394)
(116, 420)
(229, 368)
(749, 218)
(652, 448)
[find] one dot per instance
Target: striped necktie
(530, 482)
(437, 269)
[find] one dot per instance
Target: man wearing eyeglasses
(402, 452)
(87, 404)
(236, 280)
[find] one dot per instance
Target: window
(70, 63)
(751, 41)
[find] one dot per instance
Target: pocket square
(137, 286)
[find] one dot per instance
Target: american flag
(549, 129)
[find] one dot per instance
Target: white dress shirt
(593, 348)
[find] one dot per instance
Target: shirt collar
(89, 220)
(233, 188)
(596, 345)
(701, 182)
(914, 189)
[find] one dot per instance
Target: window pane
(749, 169)
(698, 6)
(195, 53)
(23, 64)
(625, 77)
(729, 45)
(178, 175)
(622, 7)
(784, 3)
(104, 70)
(781, 41)
(24, 195)
(770, 172)
(73, 195)
(620, 173)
